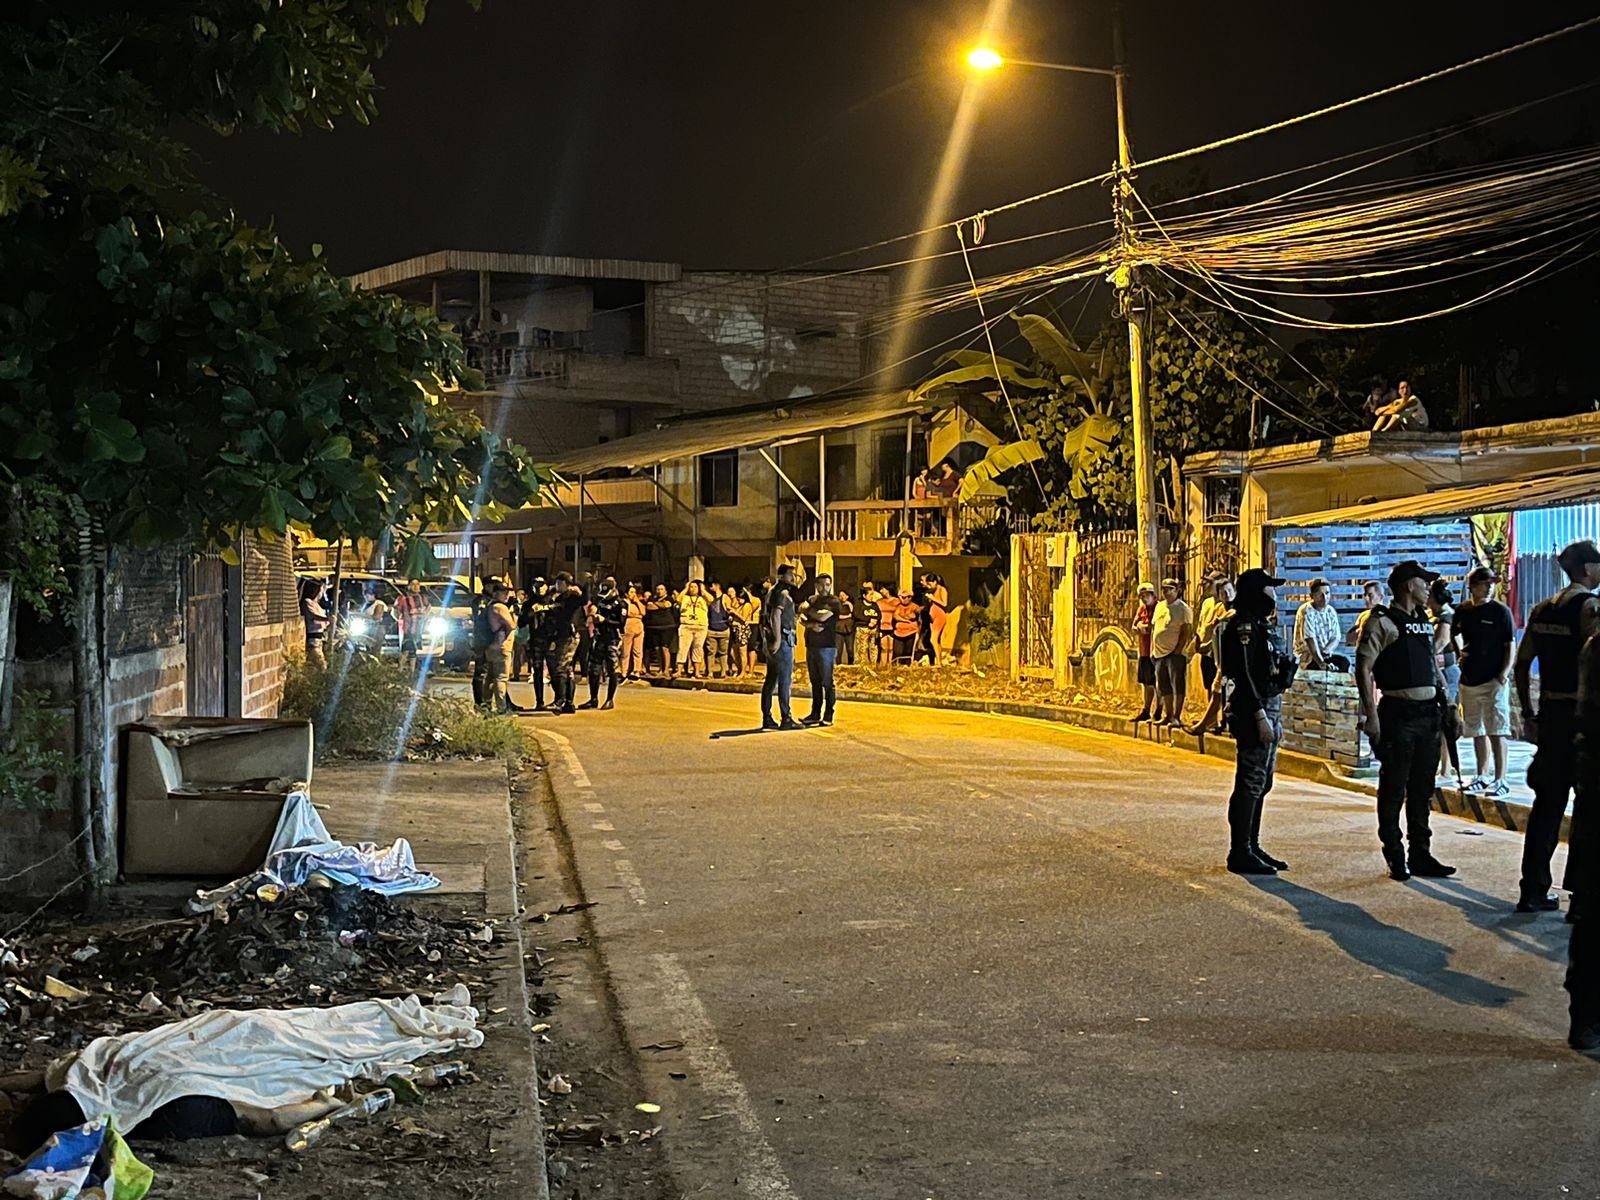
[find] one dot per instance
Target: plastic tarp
(302, 846)
(262, 1057)
(87, 1162)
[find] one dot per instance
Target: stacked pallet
(1322, 717)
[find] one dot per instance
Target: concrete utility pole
(1132, 303)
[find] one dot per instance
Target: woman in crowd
(693, 625)
(660, 632)
(633, 661)
(738, 602)
(909, 615)
(845, 628)
(888, 615)
(752, 619)
(1442, 609)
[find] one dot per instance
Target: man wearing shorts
(1143, 618)
(1171, 630)
(1483, 628)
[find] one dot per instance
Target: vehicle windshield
(446, 595)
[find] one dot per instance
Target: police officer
(533, 615)
(1557, 630)
(1583, 862)
(1255, 662)
(560, 628)
(1395, 656)
(607, 612)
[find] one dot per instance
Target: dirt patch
(313, 948)
(597, 1142)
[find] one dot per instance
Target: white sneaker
(1478, 784)
(1499, 788)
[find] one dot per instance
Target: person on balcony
(945, 482)
(694, 616)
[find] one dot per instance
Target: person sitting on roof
(1404, 412)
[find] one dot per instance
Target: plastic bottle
(309, 1133)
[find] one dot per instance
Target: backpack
(482, 634)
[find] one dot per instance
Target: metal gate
(1035, 585)
(207, 636)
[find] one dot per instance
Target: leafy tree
(1077, 404)
(179, 377)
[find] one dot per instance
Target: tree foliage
(182, 375)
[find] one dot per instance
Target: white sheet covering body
(264, 1057)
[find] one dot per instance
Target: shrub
(366, 707)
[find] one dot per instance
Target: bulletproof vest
(1408, 661)
(1557, 633)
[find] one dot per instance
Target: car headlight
(438, 627)
(359, 626)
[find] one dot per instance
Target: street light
(983, 58)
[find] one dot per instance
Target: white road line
(760, 1174)
(574, 767)
(631, 882)
(612, 844)
(603, 827)
(594, 806)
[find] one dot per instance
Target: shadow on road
(1386, 948)
(1543, 934)
(732, 733)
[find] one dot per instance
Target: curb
(516, 997)
(1507, 814)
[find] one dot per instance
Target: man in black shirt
(1395, 655)
(821, 616)
(1557, 630)
(777, 649)
(1254, 660)
(1484, 628)
(1583, 861)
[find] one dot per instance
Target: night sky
(761, 135)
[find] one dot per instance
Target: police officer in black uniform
(1583, 861)
(1395, 656)
(607, 612)
(1255, 661)
(1556, 633)
(538, 608)
(561, 622)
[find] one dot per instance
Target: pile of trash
(320, 945)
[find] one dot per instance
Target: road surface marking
(760, 1175)
(631, 882)
(574, 767)
(594, 806)
(612, 844)
(603, 827)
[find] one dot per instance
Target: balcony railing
(938, 526)
(502, 363)
(585, 374)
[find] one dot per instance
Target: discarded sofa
(202, 795)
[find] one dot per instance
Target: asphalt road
(930, 954)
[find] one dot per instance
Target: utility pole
(1132, 303)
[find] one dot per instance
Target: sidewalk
(457, 817)
(1508, 813)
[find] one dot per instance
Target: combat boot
(1429, 867)
(1245, 862)
(1395, 856)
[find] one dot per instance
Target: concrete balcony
(604, 493)
(871, 528)
(532, 372)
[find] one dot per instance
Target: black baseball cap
(1255, 579)
(1410, 569)
(1579, 554)
(1482, 575)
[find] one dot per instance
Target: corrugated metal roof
(768, 425)
(442, 262)
(1505, 495)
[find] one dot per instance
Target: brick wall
(1322, 717)
(265, 663)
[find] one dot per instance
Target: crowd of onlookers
(1474, 647)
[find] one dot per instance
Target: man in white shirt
(1171, 630)
(1318, 633)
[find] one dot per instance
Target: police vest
(1408, 661)
(1557, 633)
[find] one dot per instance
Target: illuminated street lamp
(984, 58)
